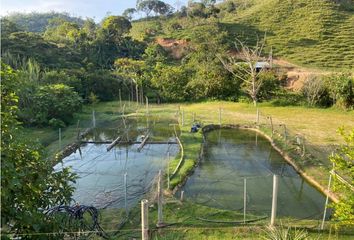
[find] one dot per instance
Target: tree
(29, 182)
(170, 81)
(161, 8)
(115, 27)
(133, 70)
(146, 6)
(128, 13)
(343, 161)
(250, 57)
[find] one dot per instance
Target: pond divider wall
(287, 158)
(72, 147)
(181, 159)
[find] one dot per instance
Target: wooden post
(271, 125)
(144, 219)
(159, 201)
(274, 200)
(182, 196)
(59, 138)
(244, 199)
(93, 119)
(120, 99)
(147, 105)
(168, 170)
(220, 116)
(303, 147)
(137, 93)
(182, 117)
(125, 194)
(326, 203)
(257, 118)
(193, 117)
(285, 135)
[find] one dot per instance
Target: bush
(315, 92)
(270, 85)
(56, 101)
(341, 90)
(56, 123)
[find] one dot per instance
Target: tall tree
(128, 13)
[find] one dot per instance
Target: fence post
(303, 146)
(93, 119)
(220, 116)
(271, 124)
(59, 138)
(159, 201)
(285, 135)
(182, 117)
(257, 119)
(274, 200)
(120, 99)
(326, 203)
(193, 117)
(147, 105)
(168, 170)
(125, 194)
(244, 199)
(144, 220)
(182, 196)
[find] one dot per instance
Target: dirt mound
(177, 48)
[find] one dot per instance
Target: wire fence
(220, 209)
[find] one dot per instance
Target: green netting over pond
(230, 156)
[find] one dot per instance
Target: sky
(96, 9)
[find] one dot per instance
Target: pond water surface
(230, 156)
(100, 173)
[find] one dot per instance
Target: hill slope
(313, 33)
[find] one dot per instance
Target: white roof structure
(260, 65)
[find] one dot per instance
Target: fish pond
(232, 155)
(107, 178)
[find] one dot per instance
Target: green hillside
(314, 33)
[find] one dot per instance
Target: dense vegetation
(54, 64)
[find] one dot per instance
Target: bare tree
(313, 89)
(243, 66)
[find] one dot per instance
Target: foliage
(128, 13)
(314, 89)
(341, 90)
(29, 182)
(270, 85)
(38, 22)
(156, 6)
(55, 101)
(170, 82)
(115, 27)
(283, 233)
(343, 161)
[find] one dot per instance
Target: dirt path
(297, 74)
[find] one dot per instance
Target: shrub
(341, 90)
(56, 101)
(56, 123)
(315, 92)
